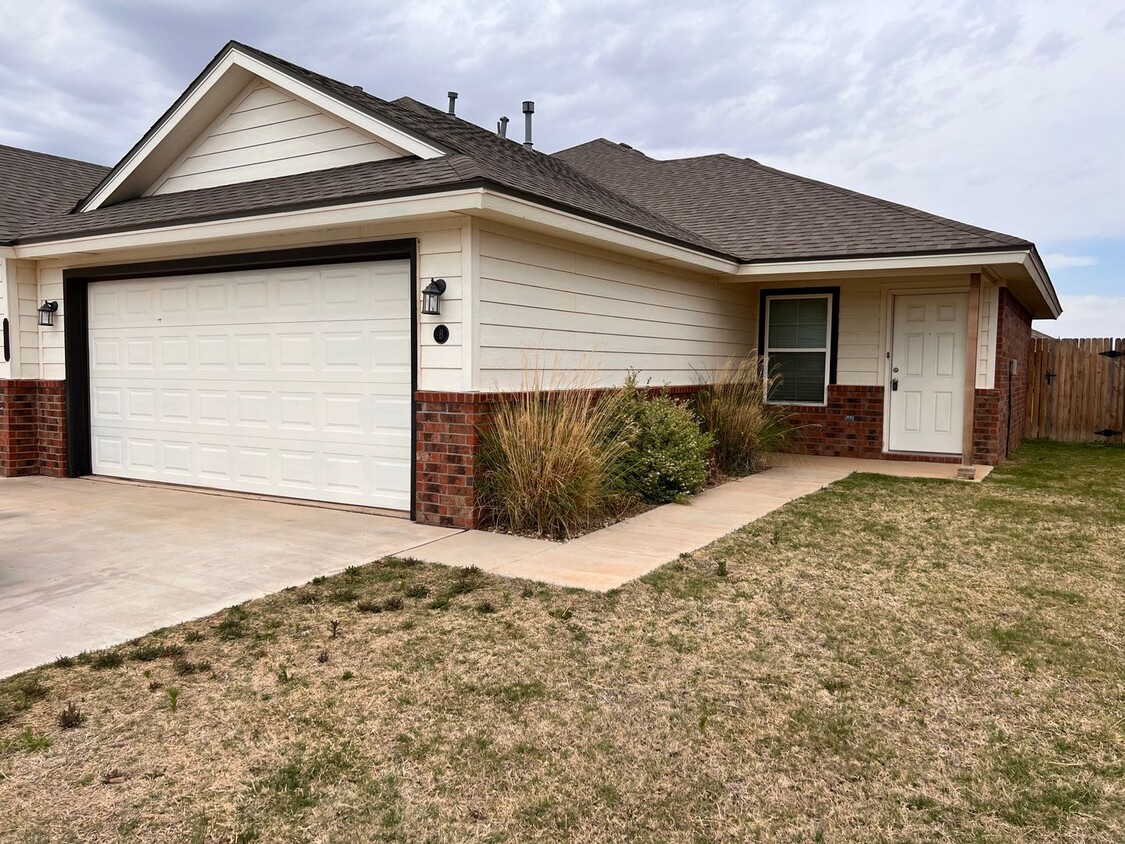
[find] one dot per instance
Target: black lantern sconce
(431, 293)
(47, 313)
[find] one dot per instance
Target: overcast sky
(1006, 115)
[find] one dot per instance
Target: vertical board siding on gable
(267, 134)
(591, 317)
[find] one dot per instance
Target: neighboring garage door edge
(76, 322)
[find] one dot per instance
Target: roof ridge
(999, 237)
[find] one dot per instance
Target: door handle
(894, 385)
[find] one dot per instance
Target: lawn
(887, 660)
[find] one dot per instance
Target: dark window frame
(833, 294)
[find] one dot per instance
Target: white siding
(580, 314)
(268, 133)
(25, 320)
(986, 335)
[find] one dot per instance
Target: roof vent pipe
(502, 127)
(452, 102)
(528, 110)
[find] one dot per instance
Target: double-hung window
(798, 346)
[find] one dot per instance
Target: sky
(1005, 115)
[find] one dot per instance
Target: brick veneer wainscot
(32, 428)
(849, 425)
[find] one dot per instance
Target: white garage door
(291, 382)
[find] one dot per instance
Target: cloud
(1062, 261)
(1087, 316)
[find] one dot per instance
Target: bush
(667, 455)
(548, 463)
(732, 408)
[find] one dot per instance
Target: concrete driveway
(85, 564)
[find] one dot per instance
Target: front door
(927, 378)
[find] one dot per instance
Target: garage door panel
(297, 382)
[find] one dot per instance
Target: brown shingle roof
(478, 157)
(717, 204)
(35, 186)
(761, 214)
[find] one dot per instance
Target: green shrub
(732, 408)
(548, 462)
(666, 458)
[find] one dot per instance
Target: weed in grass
(353, 572)
(105, 660)
(319, 579)
(155, 685)
(148, 653)
(173, 698)
(71, 717)
(32, 690)
(486, 607)
(193, 636)
(63, 662)
(342, 596)
(30, 741)
(114, 776)
(184, 667)
(322, 657)
(347, 675)
(369, 606)
(418, 590)
(721, 571)
(233, 625)
(561, 613)
(334, 628)
(284, 677)
(307, 597)
(441, 602)
(392, 604)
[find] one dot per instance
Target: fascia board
(571, 225)
(187, 233)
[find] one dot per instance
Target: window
(797, 345)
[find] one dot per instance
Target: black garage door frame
(77, 323)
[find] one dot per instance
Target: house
(237, 303)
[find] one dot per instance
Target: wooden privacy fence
(1075, 392)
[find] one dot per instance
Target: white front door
(293, 382)
(927, 378)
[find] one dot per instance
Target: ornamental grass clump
(732, 408)
(549, 462)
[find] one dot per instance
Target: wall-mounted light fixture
(431, 293)
(47, 313)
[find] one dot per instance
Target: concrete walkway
(615, 555)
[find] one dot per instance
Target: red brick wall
(32, 428)
(993, 437)
(850, 425)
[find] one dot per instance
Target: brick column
(446, 455)
(32, 428)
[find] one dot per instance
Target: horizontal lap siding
(590, 317)
(267, 134)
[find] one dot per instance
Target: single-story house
(237, 304)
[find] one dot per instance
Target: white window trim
(827, 349)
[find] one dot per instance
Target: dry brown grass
(889, 660)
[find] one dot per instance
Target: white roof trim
(1025, 258)
(235, 60)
